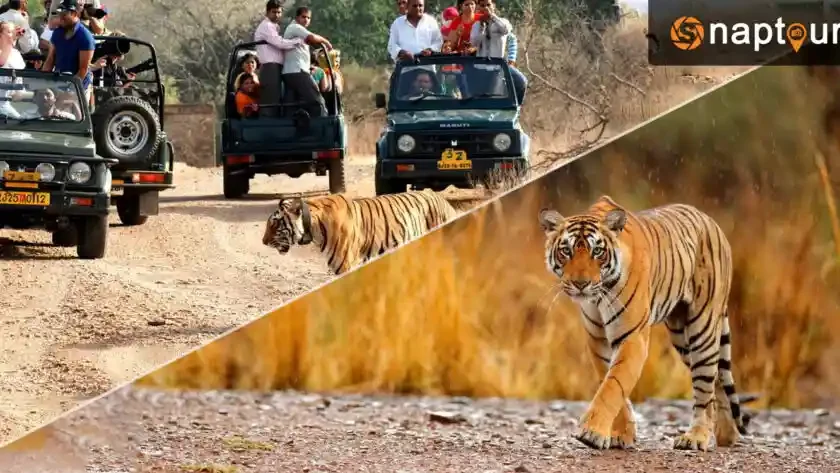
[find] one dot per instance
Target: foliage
(195, 37)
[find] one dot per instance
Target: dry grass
(471, 310)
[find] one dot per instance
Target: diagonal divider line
(475, 209)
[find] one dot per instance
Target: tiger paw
(622, 441)
(592, 439)
(694, 439)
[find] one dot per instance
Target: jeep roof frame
(150, 64)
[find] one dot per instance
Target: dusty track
(152, 431)
(72, 329)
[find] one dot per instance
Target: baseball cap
(67, 5)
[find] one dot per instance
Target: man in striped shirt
(492, 36)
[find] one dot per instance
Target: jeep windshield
(453, 84)
(31, 96)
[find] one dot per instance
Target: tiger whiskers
(552, 289)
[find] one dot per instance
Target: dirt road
(141, 430)
(73, 329)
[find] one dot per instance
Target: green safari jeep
(451, 120)
(128, 125)
(50, 174)
(291, 143)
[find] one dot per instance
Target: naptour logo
(688, 33)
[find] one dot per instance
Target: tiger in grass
(629, 271)
(349, 231)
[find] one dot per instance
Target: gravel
(143, 430)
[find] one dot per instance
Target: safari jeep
(292, 143)
(50, 174)
(451, 120)
(128, 120)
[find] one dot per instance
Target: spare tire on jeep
(126, 128)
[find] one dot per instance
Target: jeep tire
(235, 186)
(65, 237)
(335, 174)
(127, 121)
(128, 209)
(93, 237)
(386, 186)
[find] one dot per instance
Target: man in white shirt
(272, 56)
(296, 72)
(28, 39)
(414, 33)
(10, 58)
(490, 37)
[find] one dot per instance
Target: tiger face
(284, 226)
(583, 252)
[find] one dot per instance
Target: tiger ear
(615, 220)
(550, 220)
(289, 205)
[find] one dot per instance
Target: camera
(90, 11)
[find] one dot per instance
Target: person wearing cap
(71, 46)
(92, 15)
(448, 15)
(27, 38)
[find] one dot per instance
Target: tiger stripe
(349, 232)
(627, 272)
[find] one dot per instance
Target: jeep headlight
(4, 166)
(46, 170)
(79, 173)
(405, 143)
(502, 142)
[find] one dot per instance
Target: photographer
(92, 15)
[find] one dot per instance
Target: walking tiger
(629, 271)
(349, 231)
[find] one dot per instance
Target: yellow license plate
(117, 182)
(22, 176)
(452, 159)
(41, 199)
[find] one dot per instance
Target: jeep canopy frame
(122, 45)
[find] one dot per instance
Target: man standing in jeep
(71, 46)
(296, 75)
(272, 56)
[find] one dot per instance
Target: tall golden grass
(471, 309)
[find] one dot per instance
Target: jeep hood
(41, 142)
(454, 119)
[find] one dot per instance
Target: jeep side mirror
(379, 99)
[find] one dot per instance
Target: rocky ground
(141, 430)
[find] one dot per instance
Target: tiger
(350, 232)
(628, 272)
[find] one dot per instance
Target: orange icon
(687, 33)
